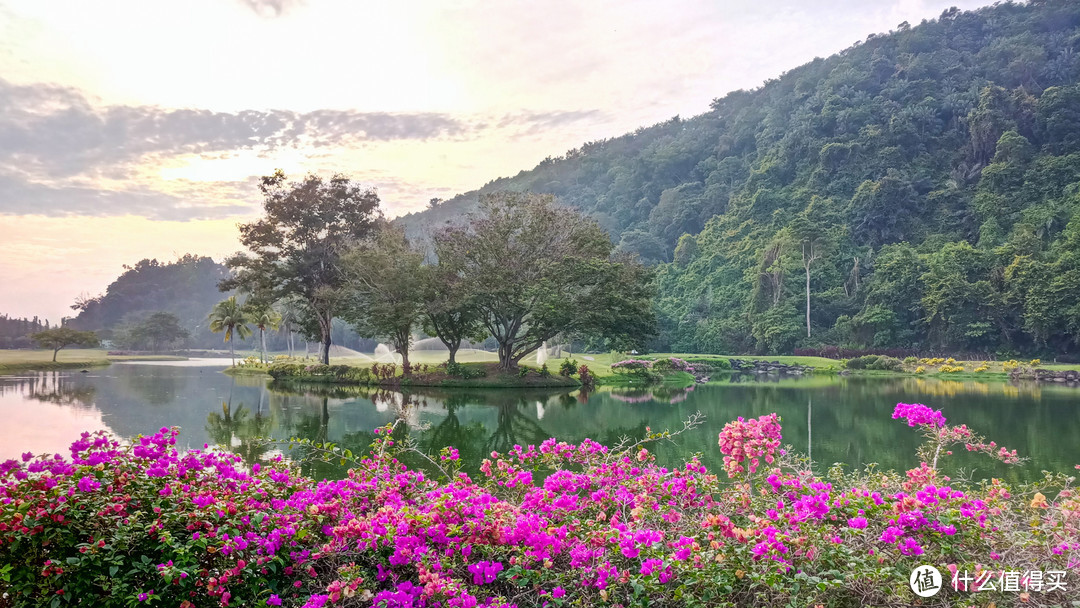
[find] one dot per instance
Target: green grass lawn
(21, 360)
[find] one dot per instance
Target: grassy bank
(599, 365)
(13, 361)
(467, 375)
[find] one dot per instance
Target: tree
(290, 322)
(230, 316)
(156, 332)
(449, 310)
(811, 239)
(296, 248)
(537, 269)
(264, 317)
(385, 289)
(60, 337)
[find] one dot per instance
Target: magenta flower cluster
(917, 414)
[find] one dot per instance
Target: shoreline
(19, 361)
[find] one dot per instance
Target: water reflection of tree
(239, 431)
(467, 438)
(158, 388)
(62, 393)
(514, 428)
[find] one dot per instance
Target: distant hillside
(935, 171)
(187, 288)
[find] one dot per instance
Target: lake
(834, 419)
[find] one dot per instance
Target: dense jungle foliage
(922, 186)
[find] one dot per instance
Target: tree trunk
(232, 353)
(505, 362)
(807, 300)
(324, 422)
(55, 350)
(406, 370)
(453, 352)
(324, 329)
(262, 338)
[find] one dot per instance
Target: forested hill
(930, 177)
(186, 288)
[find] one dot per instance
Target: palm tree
(264, 318)
(290, 320)
(229, 316)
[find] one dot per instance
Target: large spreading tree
(536, 269)
(295, 249)
(60, 337)
(450, 310)
(159, 331)
(385, 287)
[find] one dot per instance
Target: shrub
(143, 522)
(586, 377)
(910, 360)
(861, 362)
(466, 372)
(322, 373)
(636, 368)
(1035, 362)
(951, 369)
(568, 368)
(875, 362)
(544, 371)
(662, 365)
(672, 364)
(523, 371)
(884, 363)
(920, 370)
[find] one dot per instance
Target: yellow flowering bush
(920, 370)
(1010, 365)
(951, 369)
(1035, 362)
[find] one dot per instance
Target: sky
(133, 129)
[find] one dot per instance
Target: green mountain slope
(929, 178)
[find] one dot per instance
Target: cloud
(63, 154)
(56, 132)
(20, 197)
(272, 8)
(535, 122)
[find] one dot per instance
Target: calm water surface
(846, 420)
